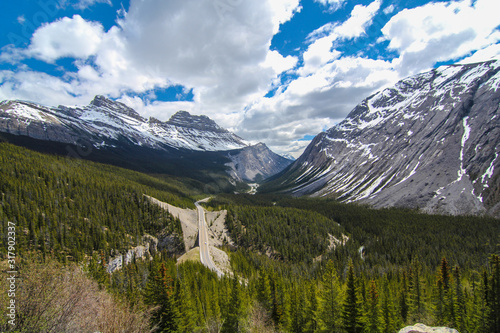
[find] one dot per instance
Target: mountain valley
(346, 236)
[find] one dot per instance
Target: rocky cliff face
(255, 163)
(431, 142)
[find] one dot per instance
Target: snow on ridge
(102, 121)
(444, 73)
(494, 82)
(473, 74)
(465, 137)
(489, 171)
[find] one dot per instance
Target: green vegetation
(300, 265)
(286, 233)
(71, 208)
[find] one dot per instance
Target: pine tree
(415, 298)
(159, 293)
(331, 296)
(278, 313)
(403, 298)
(264, 295)
(313, 322)
(460, 302)
(183, 302)
(444, 299)
(351, 308)
(232, 321)
(372, 315)
(297, 308)
(388, 322)
(493, 296)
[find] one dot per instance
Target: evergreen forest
(298, 265)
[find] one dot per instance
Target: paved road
(203, 239)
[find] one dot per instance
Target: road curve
(203, 239)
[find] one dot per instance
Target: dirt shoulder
(188, 218)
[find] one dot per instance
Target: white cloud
(332, 5)
(361, 18)
(39, 87)
(282, 11)
(279, 63)
(225, 59)
(321, 50)
(487, 53)
(81, 4)
(441, 32)
(67, 37)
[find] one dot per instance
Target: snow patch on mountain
(428, 142)
(103, 122)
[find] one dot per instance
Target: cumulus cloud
(441, 31)
(321, 50)
(361, 17)
(68, 37)
(328, 86)
(224, 58)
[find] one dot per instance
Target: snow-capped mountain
(107, 123)
(255, 163)
(430, 142)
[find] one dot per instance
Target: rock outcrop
(421, 328)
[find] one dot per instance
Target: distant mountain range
(431, 142)
(109, 125)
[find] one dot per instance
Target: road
(203, 239)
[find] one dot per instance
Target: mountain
(107, 123)
(431, 142)
(255, 163)
(115, 133)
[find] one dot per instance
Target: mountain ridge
(111, 125)
(429, 142)
(106, 122)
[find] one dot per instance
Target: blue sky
(275, 71)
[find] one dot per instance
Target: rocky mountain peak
(153, 120)
(202, 123)
(185, 119)
(106, 103)
(255, 163)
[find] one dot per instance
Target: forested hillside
(71, 208)
(399, 267)
(300, 265)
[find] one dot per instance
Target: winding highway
(203, 239)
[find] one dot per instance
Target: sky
(272, 71)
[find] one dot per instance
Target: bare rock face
(421, 328)
(255, 163)
(430, 142)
